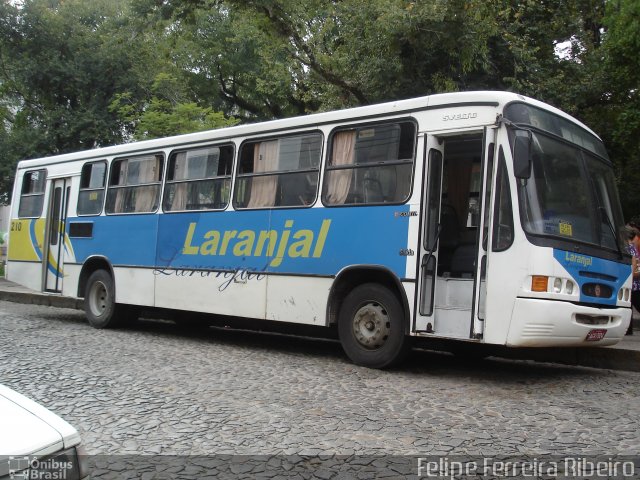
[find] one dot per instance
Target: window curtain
(263, 189)
(458, 187)
(179, 201)
(122, 194)
(339, 181)
(146, 196)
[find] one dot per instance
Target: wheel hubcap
(371, 326)
(98, 298)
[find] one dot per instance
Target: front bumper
(547, 323)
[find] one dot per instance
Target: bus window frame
(254, 140)
(503, 198)
(584, 129)
(176, 151)
(103, 188)
(355, 126)
(160, 182)
(41, 194)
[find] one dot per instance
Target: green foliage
(61, 64)
(166, 112)
(76, 74)
(163, 119)
(617, 111)
(355, 52)
(56, 55)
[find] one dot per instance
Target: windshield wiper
(613, 230)
(605, 214)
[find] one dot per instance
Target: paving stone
(159, 389)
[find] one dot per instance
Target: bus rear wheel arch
(371, 327)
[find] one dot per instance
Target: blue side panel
(308, 241)
(585, 269)
(197, 240)
(123, 239)
(316, 241)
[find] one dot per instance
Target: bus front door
(429, 236)
(456, 212)
(53, 258)
(484, 233)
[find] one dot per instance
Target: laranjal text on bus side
(245, 243)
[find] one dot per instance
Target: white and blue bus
(484, 217)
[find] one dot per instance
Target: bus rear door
(53, 258)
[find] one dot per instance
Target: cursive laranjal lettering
(228, 276)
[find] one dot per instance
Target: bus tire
(100, 305)
(371, 327)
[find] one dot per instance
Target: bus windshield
(571, 194)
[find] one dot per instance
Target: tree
(616, 81)
(356, 52)
(167, 112)
(76, 74)
(61, 62)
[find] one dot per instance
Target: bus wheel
(371, 327)
(100, 303)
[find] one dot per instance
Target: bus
(482, 217)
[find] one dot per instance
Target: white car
(35, 443)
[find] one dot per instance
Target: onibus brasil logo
(32, 468)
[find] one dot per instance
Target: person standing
(633, 241)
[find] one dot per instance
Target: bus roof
(495, 99)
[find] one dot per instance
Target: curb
(612, 358)
(42, 299)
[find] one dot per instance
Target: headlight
(569, 287)
(543, 283)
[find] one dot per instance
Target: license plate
(596, 334)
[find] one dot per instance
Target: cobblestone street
(158, 388)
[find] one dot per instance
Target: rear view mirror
(522, 154)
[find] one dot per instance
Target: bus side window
(92, 181)
(503, 215)
(371, 164)
(280, 172)
(199, 179)
(32, 194)
(134, 184)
